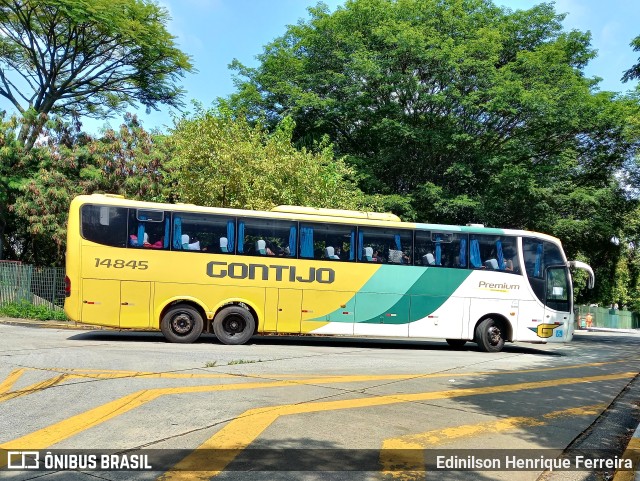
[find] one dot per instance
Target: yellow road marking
(64, 429)
(403, 458)
(33, 387)
(59, 431)
(117, 374)
(243, 430)
(11, 379)
(633, 453)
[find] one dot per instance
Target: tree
(634, 72)
(220, 160)
(128, 161)
(472, 112)
(92, 58)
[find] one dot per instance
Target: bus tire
(489, 335)
(182, 323)
(234, 325)
(456, 342)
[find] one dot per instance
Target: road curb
(613, 329)
(632, 452)
(11, 321)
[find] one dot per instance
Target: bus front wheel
(182, 323)
(489, 336)
(233, 325)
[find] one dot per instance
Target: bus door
(135, 298)
(101, 301)
(289, 310)
(558, 301)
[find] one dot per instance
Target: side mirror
(585, 267)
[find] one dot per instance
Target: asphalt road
(288, 408)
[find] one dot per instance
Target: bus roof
(351, 214)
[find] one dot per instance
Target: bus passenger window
(104, 224)
(203, 233)
(386, 246)
(441, 249)
(496, 253)
(149, 229)
(267, 237)
(331, 242)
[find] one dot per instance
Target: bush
(26, 310)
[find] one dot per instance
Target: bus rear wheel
(489, 336)
(182, 323)
(456, 342)
(233, 325)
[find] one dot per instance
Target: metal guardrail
(607, 317)
(36, 285)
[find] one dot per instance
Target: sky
(214, 32)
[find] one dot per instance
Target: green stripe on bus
(406, 302)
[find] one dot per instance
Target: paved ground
(324, 405)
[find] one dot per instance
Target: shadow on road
(323, 341)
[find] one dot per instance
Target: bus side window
(331, 242)
(148, 229)
(498, 253)
(275, 237)
(106, 225)
(389, 246)
(196, 232)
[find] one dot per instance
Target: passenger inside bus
(330, 253)
(368, 254)
(428, 259)
(491, 264)
(133, 240)
(263, 249)
(190, 246)
(224, 242)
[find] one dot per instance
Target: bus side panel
(446, 320)
(270, 320)
(336, 309)
(289, 311)
(101, 302)
(507, 308)
(540, 325)
(135, 300)
(379, 314)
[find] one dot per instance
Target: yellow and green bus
(185, 269)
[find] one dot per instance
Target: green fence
(35, 285)
(606, 317)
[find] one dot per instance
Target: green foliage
(469, 111)
(92, 58)
(40, 183)
(129, 161)
(26, 310)
(221, 160)
(634, 71)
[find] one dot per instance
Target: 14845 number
(121, 264)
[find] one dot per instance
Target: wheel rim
(182, 323)
(494, 335)
(233, 325)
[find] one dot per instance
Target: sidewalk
(14, 321)
(609, 329)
